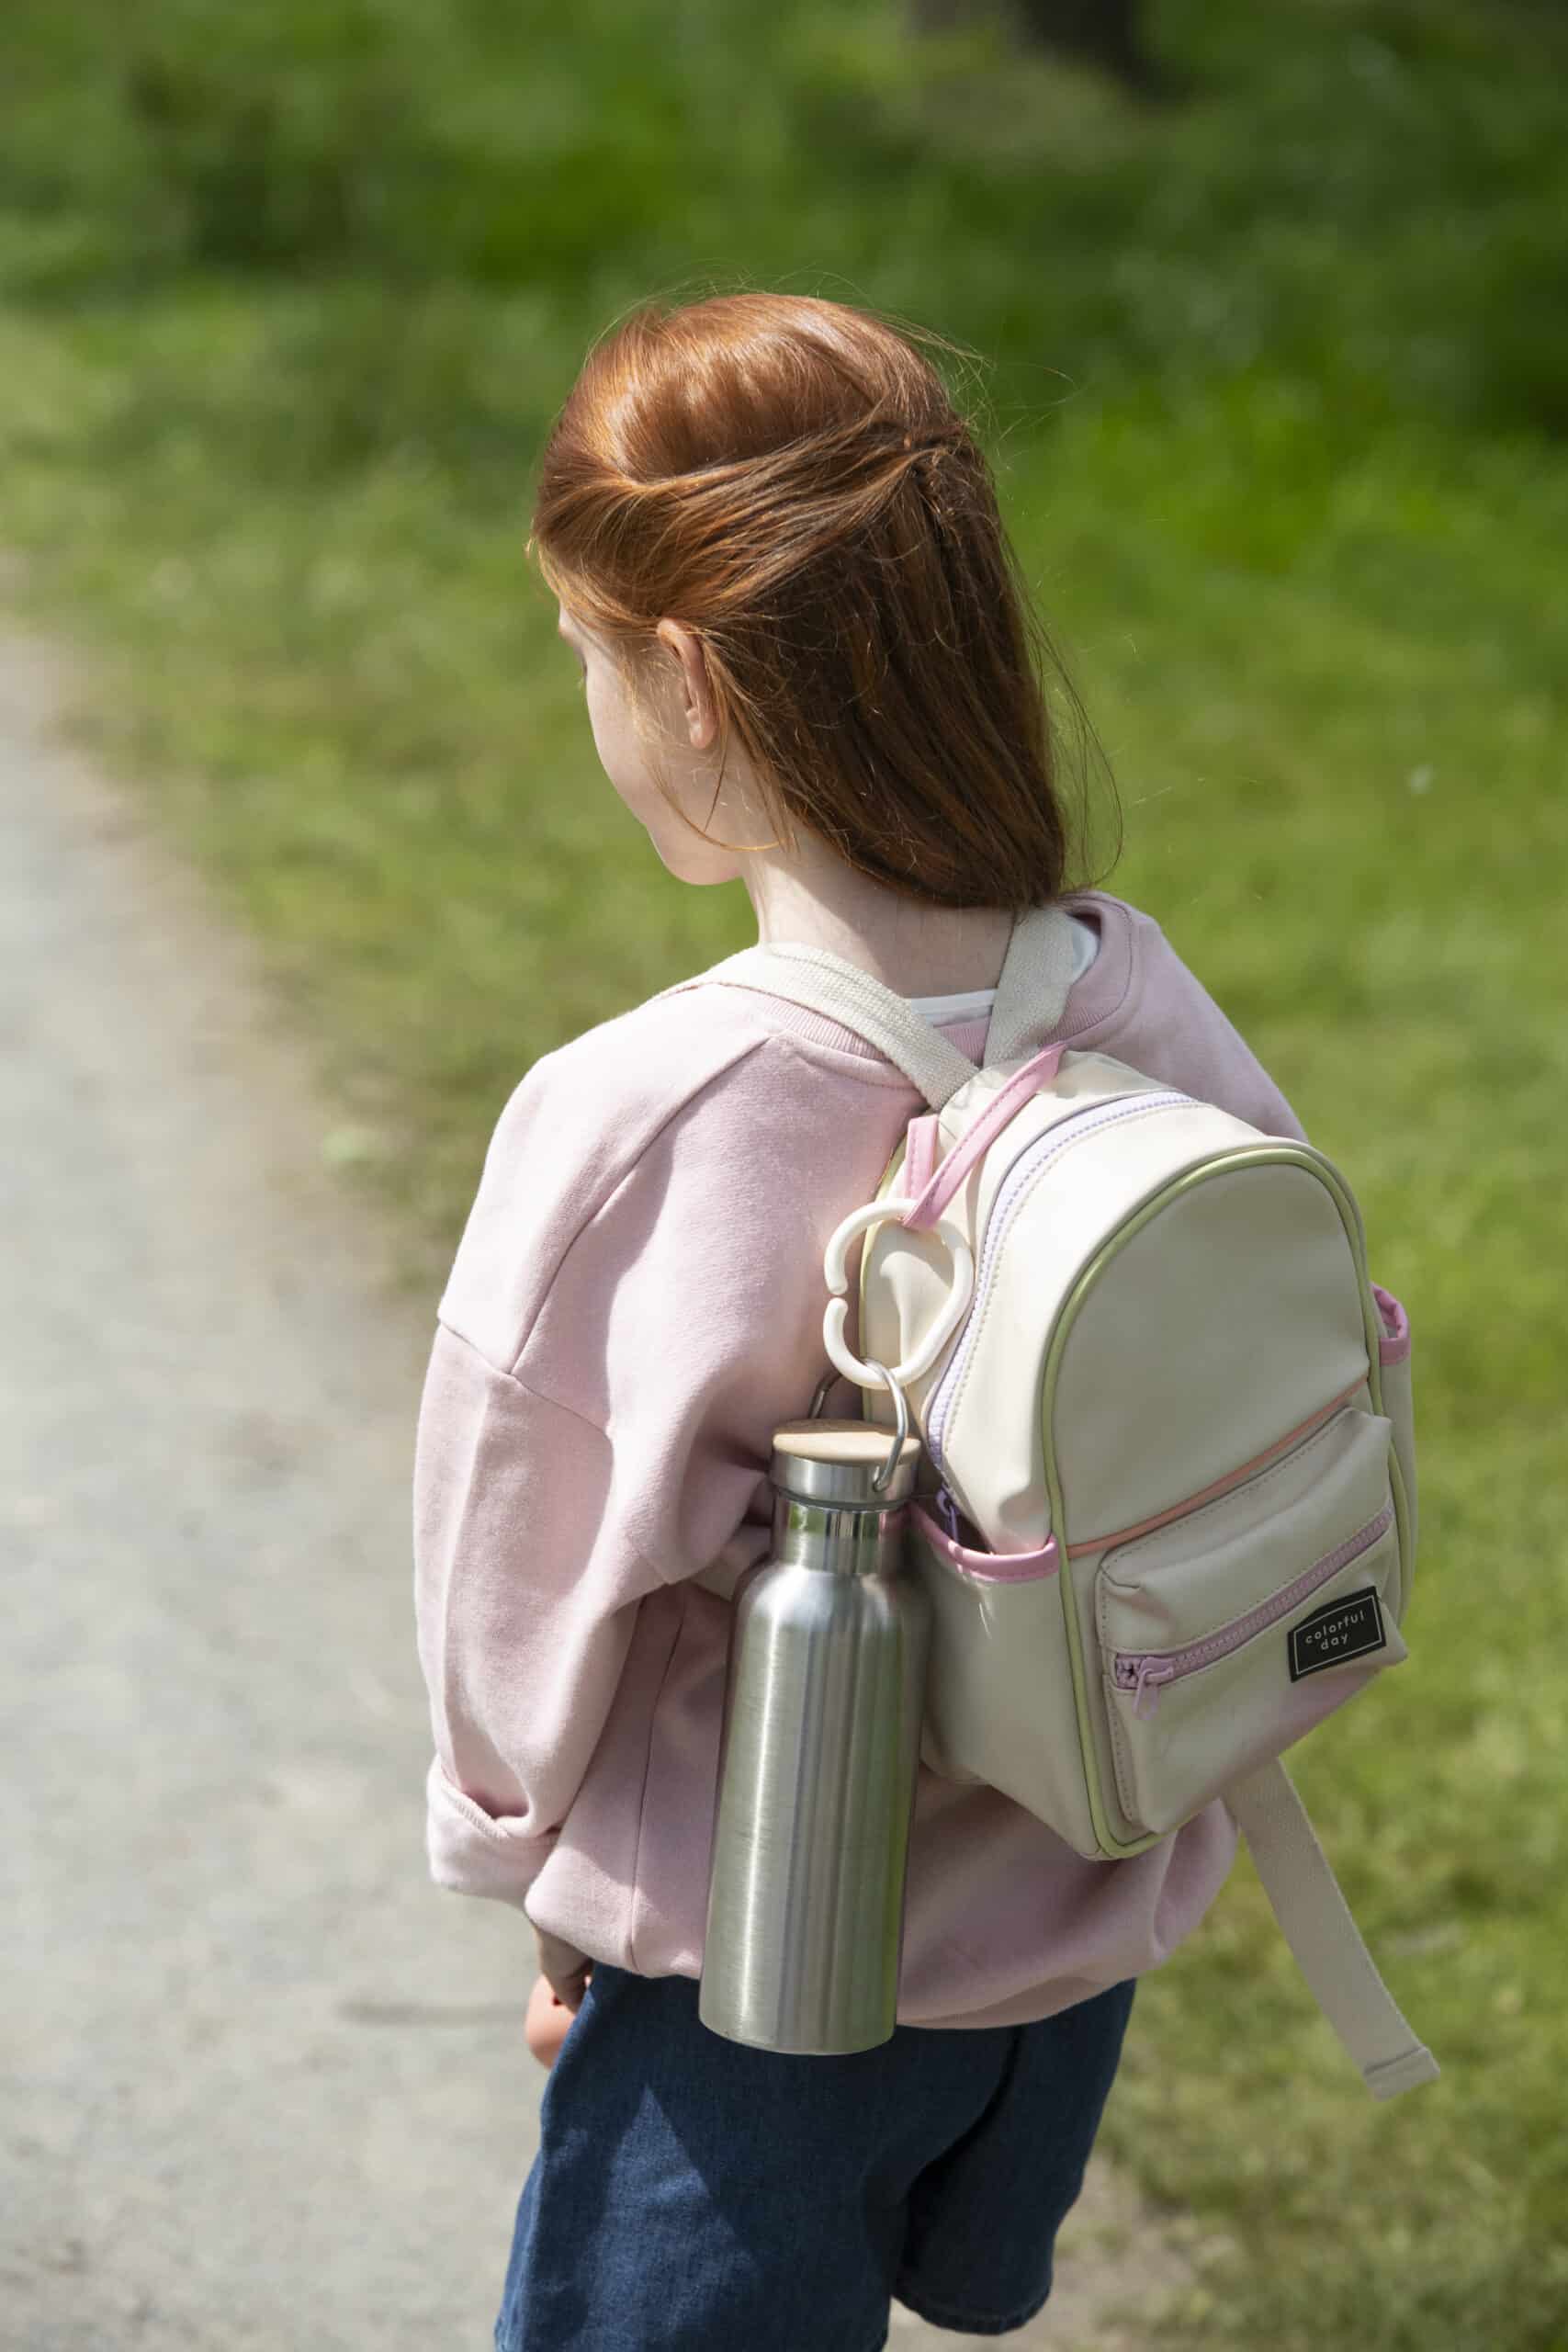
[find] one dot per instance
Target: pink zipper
(1145, 1672)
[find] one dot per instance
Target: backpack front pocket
(1227, 1633)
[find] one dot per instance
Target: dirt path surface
(267, 2087)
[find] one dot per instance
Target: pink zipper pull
(1152, 1673)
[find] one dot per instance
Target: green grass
(1281, 381)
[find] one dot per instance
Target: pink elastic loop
(936, 1193)
(999, 1567)
(919, 1152)
(1393, 1346)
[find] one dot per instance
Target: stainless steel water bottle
(820, 1742)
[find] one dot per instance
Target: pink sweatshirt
(635, 1304)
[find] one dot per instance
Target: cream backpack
(1168, 1500)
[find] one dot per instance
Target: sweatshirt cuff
(472, 1852)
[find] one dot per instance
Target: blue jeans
(694, 2195)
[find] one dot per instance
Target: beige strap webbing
(1031, 992)
(1316, 1922)
(829, 984)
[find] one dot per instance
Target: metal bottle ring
(882, 1478)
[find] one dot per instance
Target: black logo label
(1345, 1629)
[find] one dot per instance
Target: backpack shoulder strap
(1032, 988)
(1317, 1925)
(829, 984)
(1032, 992)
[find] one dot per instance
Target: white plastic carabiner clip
(914, 1367)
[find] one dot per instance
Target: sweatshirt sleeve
(525, 1595)
(613, 1444)
(1184, 1038)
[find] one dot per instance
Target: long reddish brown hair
(790, 479)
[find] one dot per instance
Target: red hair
(789, 478)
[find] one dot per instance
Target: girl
(779, 561)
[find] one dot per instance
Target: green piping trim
(1222, 1164)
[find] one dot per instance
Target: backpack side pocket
(999, 1684)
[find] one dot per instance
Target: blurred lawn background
(1276, 391)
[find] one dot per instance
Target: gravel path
(266, 2086)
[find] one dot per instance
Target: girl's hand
(564, 1968)
(547, 2023)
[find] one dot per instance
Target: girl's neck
(816, 900)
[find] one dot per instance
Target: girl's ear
(700, 710)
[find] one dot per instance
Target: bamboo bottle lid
(835, 1462)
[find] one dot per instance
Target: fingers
(547, 2024)
(565, 1968)
(568, 1990)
